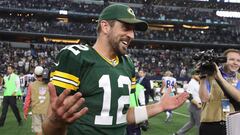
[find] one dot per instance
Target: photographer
(220, 94)
(38, 98)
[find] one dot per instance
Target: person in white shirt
(194, 107)
(168, 81)
(23, 82)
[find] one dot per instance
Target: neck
(39, 79)
(226, 70)
(227, 73)
(104, 49)
(196, 79)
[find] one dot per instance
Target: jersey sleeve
(67, 71)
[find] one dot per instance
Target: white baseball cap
(38, 70)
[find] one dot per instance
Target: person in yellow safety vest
(11, 86)
(137, 98)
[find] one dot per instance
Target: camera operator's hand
(197, 66)
(217, 73)
(201, 74)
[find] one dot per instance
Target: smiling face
(233, 61)
(119, 37)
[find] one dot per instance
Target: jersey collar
(114, 62)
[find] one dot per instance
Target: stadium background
(33, 31)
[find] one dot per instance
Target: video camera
(46, 75)
(47, 72)
(206, 59)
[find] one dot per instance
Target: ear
(105, 26)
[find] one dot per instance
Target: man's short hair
(11, 65)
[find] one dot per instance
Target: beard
(118, 49)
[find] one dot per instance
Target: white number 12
(104, 118)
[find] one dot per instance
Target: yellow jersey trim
(64, 85)
(66, 75)
(133, 86)
(113, 62)
(134, 79)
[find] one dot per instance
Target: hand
(170, 103)
(14, 93)
(199, 105)
(64, 109)
(217, 73)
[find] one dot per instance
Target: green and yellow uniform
(105, 86)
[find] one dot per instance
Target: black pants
(133, 129)
(212, 128)
(9, 100)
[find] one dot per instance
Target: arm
(141, 97)
(203, 92)
(229, 88)
(27, 102)
(165, 103)
(63, 110)
(191, 89)
(198, 105)
(17, 82)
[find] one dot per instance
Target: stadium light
(58, 40)
(229, 14)
(63, 12)
(195, 27)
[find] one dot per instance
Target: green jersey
(105, 85)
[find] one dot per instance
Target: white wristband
(140, 114)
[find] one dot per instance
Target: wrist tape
(140, 114)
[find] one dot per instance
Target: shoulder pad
(75, 49)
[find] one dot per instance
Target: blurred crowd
(214, 35)
(186, 3)
(72, 5)
(154, 61)
(159, 60)
(21, 24)
(157, 10)
(152, 11)
(26, 59)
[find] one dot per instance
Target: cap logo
(131, 11)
